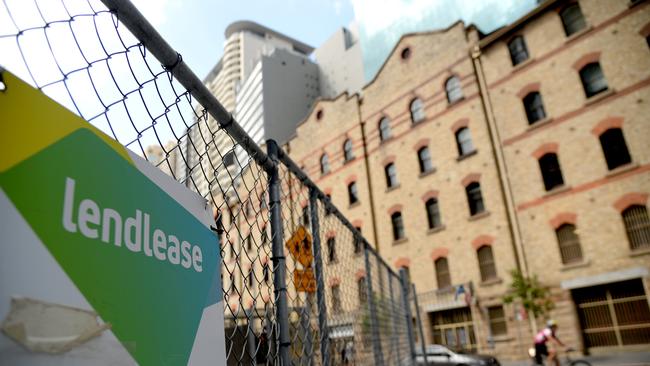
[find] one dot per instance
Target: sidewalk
(625, 359)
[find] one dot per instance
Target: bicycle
(568, 361)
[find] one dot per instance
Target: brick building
(471, 155)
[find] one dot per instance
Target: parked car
(441, 355)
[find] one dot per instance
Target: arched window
(251, 275)
(474, 198)
(391, 175)
(637, 226)
(424, 158)
(572, 19)
(305, 216)
(486, 263)
(534, 107)
(336, 298)
(353, 194)
(398, 226)
(442, 273)
(453, 89)
(614, 148)
(518, 50)
(347, 150)
(384, 129)
(265, 272)
(324, 164)
(569, 243)
(593, 79)
(362, 290)
(464, 141)
(328, 211)
(417, 110)
(433, 213)
(551, 172)
(331, 250)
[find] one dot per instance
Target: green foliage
(530, 293)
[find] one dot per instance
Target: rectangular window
(497, 318)
(336, 298)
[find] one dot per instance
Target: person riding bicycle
(542, 338)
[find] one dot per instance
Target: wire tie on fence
(179, 59)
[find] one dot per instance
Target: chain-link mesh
(81, 55)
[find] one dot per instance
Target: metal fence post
(320, 277)
(279, 260)
(394, 340)
(419, 320)
(374, 323)
(407, 309)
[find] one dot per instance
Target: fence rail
(301, 284)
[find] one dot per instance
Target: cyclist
(542, 338)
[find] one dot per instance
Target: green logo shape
(154, 306)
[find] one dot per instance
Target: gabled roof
(404, 36)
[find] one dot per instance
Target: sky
(195, 28)
(58, 51)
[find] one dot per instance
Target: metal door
(615, 314)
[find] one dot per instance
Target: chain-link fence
(301, 285)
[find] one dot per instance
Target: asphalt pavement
(622, 359)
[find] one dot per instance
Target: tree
(534, 297)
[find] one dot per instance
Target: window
(305, 216)
(534, 107)
(497, 321)
(407, 270)
(347, 150)
(398, 226)
(265, 236)
(424, 158)
(569, 242)
(486, 263)
(474, 198)
(384, 129)
(551, 172)
(593, 80)
(518, 50)
(328, 211)
(358, 245)
(324, 164)
(637, 225)
(391, 175)
(417, 110)
(406, 53)
(249, 243)
(353, 194)
(572, 19)
(232, 250)
(442, 273)
(250, 278)
(229, 159)
(454, 91)
(464, 142)
(363, 290)
(265, 272)
(614, 148)
(331, 250)
(336, 298)
(433, 213)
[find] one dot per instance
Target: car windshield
(437, 349)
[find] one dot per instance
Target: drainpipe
(502, 169)
(373, 213)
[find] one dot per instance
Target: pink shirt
(543, 335)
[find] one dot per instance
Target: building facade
(470, 156)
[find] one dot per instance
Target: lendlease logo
(96, 223)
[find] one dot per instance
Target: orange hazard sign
(304, 280)
(299, 246)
